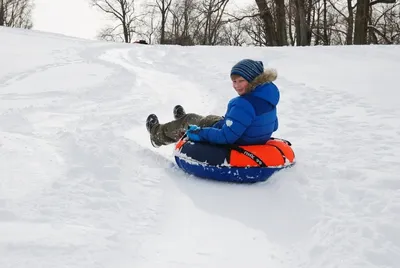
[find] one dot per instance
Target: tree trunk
(164, 8)
(125, 27)
(326, 42)
(350, 24)
(301, 24)
(163, 21)
(361, 22)
(290, 13)
(126, 34)
(318, 26)
(268, 20)
(309, 21)
(2, 15)
(281, 23)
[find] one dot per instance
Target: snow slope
(81, 186)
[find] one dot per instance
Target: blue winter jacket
(250, 118)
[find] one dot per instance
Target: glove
(192, 133)
(193, 129)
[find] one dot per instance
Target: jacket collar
(267, 76)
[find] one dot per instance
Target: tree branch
(334, 7)
(108, 11)
(242, 17)
(380, 33)
(382, 1)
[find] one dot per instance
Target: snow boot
(178, 112)
(152, 120)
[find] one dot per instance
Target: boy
(251, 118)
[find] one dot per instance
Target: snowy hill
(81, 186)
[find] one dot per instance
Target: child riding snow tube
(233, 163)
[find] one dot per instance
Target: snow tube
(233, 163)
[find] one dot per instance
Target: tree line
(261, 23)
(16, 13)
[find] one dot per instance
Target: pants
(171, 132)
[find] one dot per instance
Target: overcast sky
(76, 17)
(69, 17)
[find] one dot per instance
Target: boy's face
(239, 84)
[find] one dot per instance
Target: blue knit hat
(248, 69)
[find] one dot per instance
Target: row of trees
(16, 13)
(261, 23)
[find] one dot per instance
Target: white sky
(75, 17)
(69, 17)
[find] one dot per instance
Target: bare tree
(189, 18)
(16, 13)
(319, 26)
(269, 24)
(362, 18)
(279, 22)
(163, 6)
(150, 25)
(108, 34)
(213, 12)
(255, 29)
(233, 34)
(273, 15)
(252, 21)
(184, 25)
(347, 13)
(123, 12)
(384, 24)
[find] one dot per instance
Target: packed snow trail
(81, 186)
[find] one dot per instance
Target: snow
(81, 185)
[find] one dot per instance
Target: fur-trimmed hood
(269, 75)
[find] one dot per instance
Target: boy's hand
(192, 133)
(193, 129)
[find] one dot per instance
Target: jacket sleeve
(238, 118)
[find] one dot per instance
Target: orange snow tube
(275, 153)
